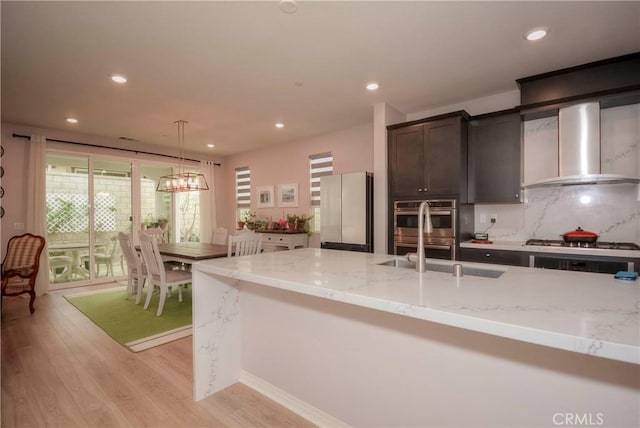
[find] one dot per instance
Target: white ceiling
(233, 69)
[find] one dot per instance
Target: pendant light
(182, 181)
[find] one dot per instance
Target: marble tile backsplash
(610, 210)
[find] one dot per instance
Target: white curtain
(36, 204)
(208, 220)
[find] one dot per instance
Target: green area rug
(129, 324)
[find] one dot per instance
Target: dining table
(190, 252)
(74, 248)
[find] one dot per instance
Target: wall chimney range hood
(579, 149)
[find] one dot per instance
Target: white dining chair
(136, 272)
(157, 274)
(60, 267)
(161, 237)
(157, 231)
(244, 244)
(219, 236)
(104, 258)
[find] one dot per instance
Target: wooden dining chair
(157, 274)
(244, 244)
(20, 266)
(219, 236)
(136, 271)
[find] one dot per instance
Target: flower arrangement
(248, 216)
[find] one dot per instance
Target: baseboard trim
(159, 339)
(302, 408)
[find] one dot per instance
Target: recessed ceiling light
(372, 86)
(279, 125)
(288, 6)
(118, 78)
(72, 120)
(536, 33)
(211, 146)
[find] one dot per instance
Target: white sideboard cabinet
(278, 241)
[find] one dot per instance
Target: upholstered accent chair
(20, 266)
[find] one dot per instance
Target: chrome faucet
(424, 226)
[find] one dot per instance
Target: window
(243, 190)
(319, 165)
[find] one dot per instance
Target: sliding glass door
(111, 214)
(90, 199)
(81, 235)
(67, 202)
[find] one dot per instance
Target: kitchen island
(333, 334)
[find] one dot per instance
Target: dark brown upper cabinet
(428, 158)
(608, 76)
(495, 165)
(612, 81)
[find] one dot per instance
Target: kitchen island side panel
(372, 368)
(216, 325)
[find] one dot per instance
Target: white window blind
(243, 187)
(319, 165)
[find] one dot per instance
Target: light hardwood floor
(60, 370)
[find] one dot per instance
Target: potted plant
(292, 219)
(163, 223)
(303, 221)
(149, 222)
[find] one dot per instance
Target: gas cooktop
(597, 244)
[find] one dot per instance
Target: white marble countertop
(576, 311)
(520, 246)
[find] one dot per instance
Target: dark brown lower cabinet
(499, 257)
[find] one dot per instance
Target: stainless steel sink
(399, 263)
(466, 270)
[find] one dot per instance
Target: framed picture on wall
(287, 195)
(265, 196)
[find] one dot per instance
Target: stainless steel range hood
(579, 149)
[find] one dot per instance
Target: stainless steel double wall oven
(441, 244)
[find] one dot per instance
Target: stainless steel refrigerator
(346, 212)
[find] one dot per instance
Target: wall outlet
(494, 218)
(18, 226)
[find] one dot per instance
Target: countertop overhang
(581, 312)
